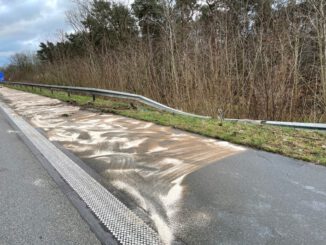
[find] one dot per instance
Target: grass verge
(300, 144)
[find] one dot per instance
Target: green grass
(300, 144)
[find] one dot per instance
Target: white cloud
(24, 24)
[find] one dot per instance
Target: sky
(26, 23)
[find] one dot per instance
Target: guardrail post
(68, 93)
(93, 97)
(51, 91)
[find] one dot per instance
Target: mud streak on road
(144, 160)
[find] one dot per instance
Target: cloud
(24, 24)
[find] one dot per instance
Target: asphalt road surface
(257, 198)
(246, 197)
(32, 208)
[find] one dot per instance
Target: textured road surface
(32, 208)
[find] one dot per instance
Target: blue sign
(2, 77)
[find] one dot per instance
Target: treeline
(260, 59)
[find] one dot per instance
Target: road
(257, 198)
(32, 208)
(196, 190)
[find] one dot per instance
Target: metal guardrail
(159, 106)
(311, 126)
(113, 94)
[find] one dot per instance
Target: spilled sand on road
(144, 160)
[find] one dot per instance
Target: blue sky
(26, 23)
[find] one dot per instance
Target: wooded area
(258, 59)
